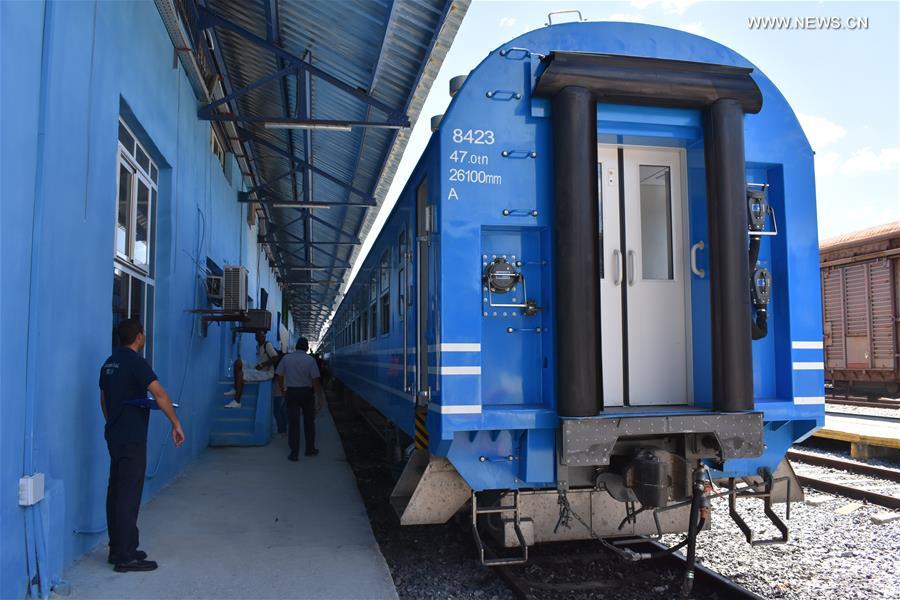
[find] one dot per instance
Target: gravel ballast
(829, 555)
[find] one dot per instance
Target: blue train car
(598, 292)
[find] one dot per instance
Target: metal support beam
(267, 198)
(300, 283)
(324, 243)
(334, 228)
(210, 19)
(324, 124)
(266, 185)
(329, 255)
(250, 136)
(275, 228)
(274, 244)
(316, 244)
(207, 112)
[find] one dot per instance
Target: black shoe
(292, 457)
(312, 452)
(136, 565)
(138, 555)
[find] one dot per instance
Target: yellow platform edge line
(843, 436)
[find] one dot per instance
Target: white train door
(643, 284)
(611, 277)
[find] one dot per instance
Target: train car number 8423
(473, 136)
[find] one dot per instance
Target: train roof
(861, 237)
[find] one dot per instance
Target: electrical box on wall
(31, 489)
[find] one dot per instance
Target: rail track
(707, 583)
(840, 489)
(864, 416)
(823, 460)
(863, 401)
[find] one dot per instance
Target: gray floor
(247, 523)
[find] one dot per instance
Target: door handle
(694, 268)
(629, 268)
(617, 268)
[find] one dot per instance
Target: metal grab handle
(697, 270)
(562, 12)
(630, 267)
(617, 270)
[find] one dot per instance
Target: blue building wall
(69, 71)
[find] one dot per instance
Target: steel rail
(705, 578)
(839, 489)
(865, 402)
(852, 466)
(863, 416)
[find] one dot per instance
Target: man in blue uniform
(125, 378)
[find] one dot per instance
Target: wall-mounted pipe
(35, 542)
(579, 386)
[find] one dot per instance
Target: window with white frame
(134, 285)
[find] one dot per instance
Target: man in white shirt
(266, 358)
(298, 376)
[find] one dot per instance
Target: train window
(385, 275)
(401, 274)
(656, 223)
(373, 305)
(365, 325)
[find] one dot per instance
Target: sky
(844, 86)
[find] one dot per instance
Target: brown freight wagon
(861, 301)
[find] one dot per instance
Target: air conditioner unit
(256, 320)
(214, 289)
(234, 289)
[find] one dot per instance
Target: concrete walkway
(247, 523)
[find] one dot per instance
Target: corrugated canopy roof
(317, 98)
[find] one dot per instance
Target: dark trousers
(127, 466)
(301, 399)
(280, 413)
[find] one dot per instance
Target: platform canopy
(316, 99)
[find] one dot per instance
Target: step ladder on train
(504, 511)
(249, 425)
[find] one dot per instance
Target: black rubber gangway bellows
(575, 82)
